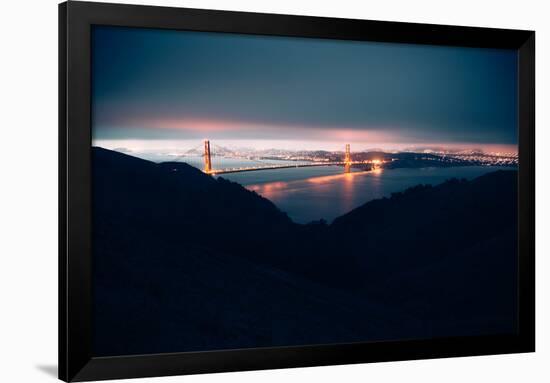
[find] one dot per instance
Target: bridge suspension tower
(347, 159)
(207, 158)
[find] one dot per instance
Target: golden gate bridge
(208, 167)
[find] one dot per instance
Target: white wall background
(28, 189)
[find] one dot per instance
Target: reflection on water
(319, 197)
(307, 194)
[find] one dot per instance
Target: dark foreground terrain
(185, 262)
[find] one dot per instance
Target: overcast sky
(277, 91)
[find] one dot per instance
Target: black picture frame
(76, 362)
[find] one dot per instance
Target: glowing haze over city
(160, 90)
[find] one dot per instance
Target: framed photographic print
(248, 191)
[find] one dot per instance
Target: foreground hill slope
(178, 267)
(183, 261)
(448, 252)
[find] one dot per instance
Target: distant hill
(183, 261)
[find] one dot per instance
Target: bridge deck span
(252, 169)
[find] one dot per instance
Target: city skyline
(180, 146)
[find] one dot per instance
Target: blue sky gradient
(176, 85)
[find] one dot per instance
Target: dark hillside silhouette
(183, 261)
(447, 251)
